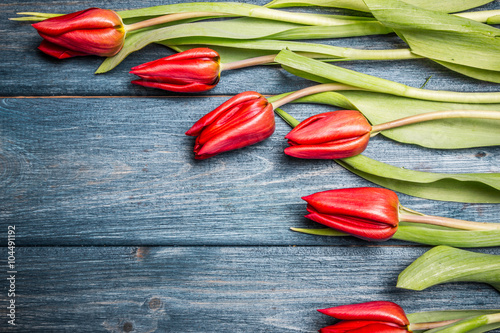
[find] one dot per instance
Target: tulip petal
(329, 127)
(186, 88)
(242, 134)
(196, 53)
(362, 229)
(370, 203)
(102, 42)
(349, 325)
(92, 18)
(213, 115)
(353, 326)
(372, 328)
(57, 51)
(377, 310)
(92, 31)
(180, 72)
(331, 150)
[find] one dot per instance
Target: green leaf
(434, 316)
(444, 264)
(236, 30)
(440, 134)
(320, 232)
(451, 237)
(464, 187)
(416, 233)
(465, 325)
(440, 36)
(430, 316)
(375, 84)
(447, 6)
(476, 73)
(227, 54)
(244, 29)
(238, 9)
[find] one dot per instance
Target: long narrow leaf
(476, 73)
(371, 83)
(444, 264)
(440, 36)
(238, 9)
(452, 134)
(242, 29)
(450, 237)
(430, 316)
(447, 6)
(433, 316)
(326, 51)
(415, 233)
(481, 323)
(467, 187)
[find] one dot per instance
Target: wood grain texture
(120, 171)
(119, 229)
(216, 289)
(28, 72)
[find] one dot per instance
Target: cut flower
(194, 70)
(93, 31)
(243, 120)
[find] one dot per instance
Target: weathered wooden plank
(120, 171)
(26, 71)
(215, 289)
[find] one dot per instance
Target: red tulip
(243, 120)
(374, 317)
(92, 31)
(193, 70)
(329, 135)
(369, 213)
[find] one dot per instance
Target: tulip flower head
(369, 317)
(329, 135)
(93, 31)
(368, 213)
(243, 120)
(193, 70)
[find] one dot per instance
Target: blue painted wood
(120, 171)
(217, 289)
(28, 72)
(185, 245)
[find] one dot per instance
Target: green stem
(469, 324)
(168, 18)
(248, 62)
(341, 52)
(311, 91)
(449, 114)
(372, 83)
(430, 325)
(449, 222)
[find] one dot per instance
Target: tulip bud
(193, 70)
(93, 31)
(329, 135)
(243, 120)
(367, 212)
(369, 317)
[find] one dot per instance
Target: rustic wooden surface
(119, 229)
